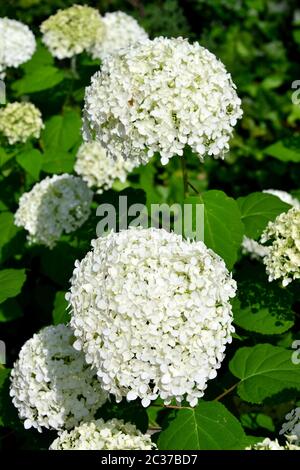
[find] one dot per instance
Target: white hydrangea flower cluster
(121, 31)
(159, 96)
(255, 249)
(20, 122)
(72, 31)
(100, 435)
(283, 257)
(268, 444)
(151, 311)
(97, 169)
(53, 206)
(51, 384)
(17, 44)
(292, 425)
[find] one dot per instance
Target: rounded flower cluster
(268, 444)
(159, 96)
(51, 384)
(283, 258)
(151, 311)
(17, 43)
(97, 169)
(20, 122)
(292, 425)
(71, 31)
(100, 435)
(121, 31)
(255, 249)
(53, 206)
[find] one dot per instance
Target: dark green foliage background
(259, 41)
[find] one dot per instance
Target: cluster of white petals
(51, 384)
(53, 206)
(152, 313)
(159, 96)
(97, 169)
(100, 435)
(292, 424)
(72, 31)
(20, 122)
(255, 249)
(268, 444)
(17, 44)
(121, 31)
(283, 258)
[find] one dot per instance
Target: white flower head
(152, 313)
(121, 31)
(292, 425)
(17, 43)
(53, 206)
(100, 435)
(97, 169)
(51, 384)
(72, 31)
(268, 444)
(255, 249)
(159, 96)
(20, 122)
(283, 258)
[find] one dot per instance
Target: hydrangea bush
(72, 31)
(101, 435)
(159, 97)
(20, 122)
(149, 283)
(51, 385)
(152, 314)
(17, 44)
(53, 206)
(120, 31)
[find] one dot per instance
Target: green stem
(193, 188)
(74, 67)
(229, 390)
(184, 176)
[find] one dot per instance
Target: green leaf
(209, 426)
(7, 228)
(31, 161)
(223, 228)
(41, 57)
(264, 370)
(38, 79)
(62, 132)
(4, 157)
(255, 420)
(10, 310)
(11, 282)
(8, 413)
(286, 150)
(60, 314)
(257, 210)
(263, 307)
(56, 162)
